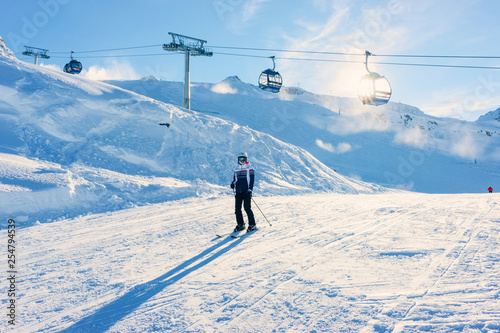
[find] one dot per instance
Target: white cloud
(341, 148)
(469, 101)
(361, 119)
(223, 88)
(237, 14)
(250, 8)
(114, 71)
(414, 137)
(326, 146)
(347, 29)
(467, 147)
(383, 27)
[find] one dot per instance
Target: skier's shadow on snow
(110, 314)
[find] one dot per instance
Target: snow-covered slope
(393, 262)
(90, 147)
(134, 260)
(396, 144)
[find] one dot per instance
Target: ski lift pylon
(270, 80)
(374, 89)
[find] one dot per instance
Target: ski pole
(261, 212)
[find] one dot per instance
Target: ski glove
(232, 185)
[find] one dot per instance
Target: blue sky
(385, 27)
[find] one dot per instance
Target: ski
(237, 234)
(242, 233)
(229, 234)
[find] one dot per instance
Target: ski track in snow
(393, 262)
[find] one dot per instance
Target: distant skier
(490, 189)
(242, 184)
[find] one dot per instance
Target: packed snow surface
(393, 262)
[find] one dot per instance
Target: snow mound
(33, 191)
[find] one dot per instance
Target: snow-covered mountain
(490, 116)
(396, 145)
(71, 145)
(135, 208)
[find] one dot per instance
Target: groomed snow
(393, 262)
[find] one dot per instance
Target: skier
(242, 185)
(490, 189)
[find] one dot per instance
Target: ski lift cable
(281, 50)
(115, 49)
(288, 58)
(296, 59)
(243, 55)
(437, 56)
(301, 51)
(437, 65)
(358, 54)
(119, 56)
(362, 62)
(302, 59)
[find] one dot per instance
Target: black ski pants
(246, 200)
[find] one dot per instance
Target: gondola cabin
(270, 80)
(73, 67)
(374, 89)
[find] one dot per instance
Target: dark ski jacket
(243, 178)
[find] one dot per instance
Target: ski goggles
(242, 159)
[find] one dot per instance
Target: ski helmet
(242, 157)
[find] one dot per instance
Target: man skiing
(242, 185)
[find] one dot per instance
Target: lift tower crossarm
(191, 47)
(36, 52)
